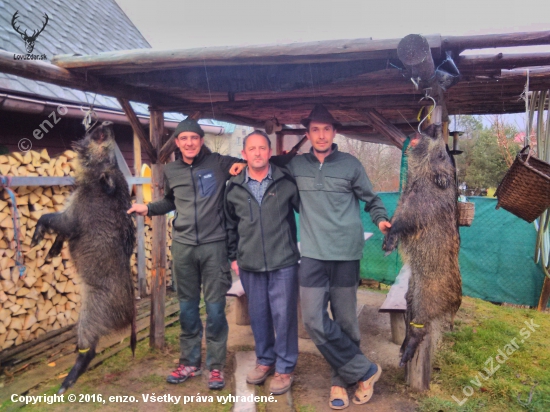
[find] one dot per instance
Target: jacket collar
(276, 174)
(247, 177)
(199, 158)
(332, 155)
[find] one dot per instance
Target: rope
(5, 182)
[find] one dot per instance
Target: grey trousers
(337, 339)
(194, 268)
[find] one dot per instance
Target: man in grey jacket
(194, 188)
(261, 228)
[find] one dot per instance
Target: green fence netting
(496, 255)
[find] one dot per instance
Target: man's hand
(236, 168)
(140, 210)
(384, 227)
(235, 267)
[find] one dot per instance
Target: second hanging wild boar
(425, 224)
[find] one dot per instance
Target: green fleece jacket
(330, 220)
(262, 237)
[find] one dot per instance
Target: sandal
(365, 389)
(337, 393)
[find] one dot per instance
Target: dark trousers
(207, 266)
(337, 339)
(272, 306)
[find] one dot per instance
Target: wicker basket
(525, 189)
(466, 212)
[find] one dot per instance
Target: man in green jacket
(194, 188)
(260, 205)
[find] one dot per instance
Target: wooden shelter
(373, 87)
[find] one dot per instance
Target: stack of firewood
(48, 296)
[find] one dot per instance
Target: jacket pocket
(206, 182)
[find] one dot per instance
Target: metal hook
(426, 96)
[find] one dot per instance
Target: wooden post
(158, 281)
(242, 317)
(418, 371)
(385, 128)
(398, 327)
(545, 294)
(140, 221)
(280, 143)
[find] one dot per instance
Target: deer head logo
(29, 40)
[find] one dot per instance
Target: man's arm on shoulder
(362, 187)
(227, 161)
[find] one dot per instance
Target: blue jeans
(272, 306)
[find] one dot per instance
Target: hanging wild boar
(426, 225)
(101, 237)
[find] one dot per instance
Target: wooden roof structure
(365, 83)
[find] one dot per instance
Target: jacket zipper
(202, 186)
(250, 207)
(195, 203)
(263, 241)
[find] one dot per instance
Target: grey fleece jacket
(330, 221)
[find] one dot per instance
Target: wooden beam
(385, 128)
(483, 62)
(138, 129)
(537, 72)
(415, 53)
(140, 224)
(64, 181)
(279, 147)
(487, 41)
(293, 53)
(158, 277)
(46, 72)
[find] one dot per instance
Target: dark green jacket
(330, 219)
(195, 192)
(262, 237)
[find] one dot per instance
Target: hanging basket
(525, 189)
(466, 212)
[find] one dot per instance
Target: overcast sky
(171, 24)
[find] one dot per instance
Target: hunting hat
(322, 115)
(188, 125)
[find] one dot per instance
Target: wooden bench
(418, 370)
(241, 308)
(396, 305)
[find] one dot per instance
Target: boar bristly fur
(425, 224)
(101, 238)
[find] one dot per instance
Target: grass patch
(498, 356)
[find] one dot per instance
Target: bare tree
(382, 162)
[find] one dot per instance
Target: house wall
(15, 126)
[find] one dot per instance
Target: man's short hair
(260, 133)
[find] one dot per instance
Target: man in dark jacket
(260, 205)
(194, 188)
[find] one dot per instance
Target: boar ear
(107, 183)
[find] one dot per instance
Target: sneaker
(216, 380)
(365, 388)
(259, 374)
(182, 373)
(280, 383)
